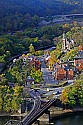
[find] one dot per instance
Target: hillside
(20, 14)
(41, 7)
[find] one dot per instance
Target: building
(69, 74)
(32, 60)
(63, 72)
(29, 81)
(67, 43)
(60, 74)
(78, 59)
(37, 64)
(78, 63)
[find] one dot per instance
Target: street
(48, 78)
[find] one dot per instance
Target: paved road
(48, 78)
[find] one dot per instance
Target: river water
(76, 119)
(4, 120)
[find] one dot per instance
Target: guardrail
(11, 122)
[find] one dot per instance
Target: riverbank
(54, 112)
(12, 115)
(58, 113)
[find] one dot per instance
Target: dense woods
(21, 14)
(18, 42)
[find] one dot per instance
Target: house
(69, 74)
(60, 74)
(32, 60)
(78, 63)
(29, 81)
(37, 64)
(78, 59)
(62, 71)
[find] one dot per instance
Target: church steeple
(64, 41)
(63, 35)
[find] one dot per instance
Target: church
(67, 43)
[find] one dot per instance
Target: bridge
(72, 15)
(38, 110)
(31, 118)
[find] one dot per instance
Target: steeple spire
(64, 42)
(64, 36)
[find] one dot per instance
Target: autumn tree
(31, 49)
(37, 75)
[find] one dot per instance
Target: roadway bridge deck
(36, 113)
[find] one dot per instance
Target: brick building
(69, 74)
(78, 60)
(78, 63)
(62, 72)
(32, 60)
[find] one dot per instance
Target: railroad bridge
(38, 110)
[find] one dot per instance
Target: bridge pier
(38, 122)
(48, 112)
(45, 118)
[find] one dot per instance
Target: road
(48, 78)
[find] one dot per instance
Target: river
(76, 119)
(5, 119)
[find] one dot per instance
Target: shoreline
(54, 113)
(67, 113)
(57, 115)
(12, 115)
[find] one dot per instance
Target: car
(56, 93)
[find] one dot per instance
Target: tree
(31, 49)
(66, 27)
(18, 90)
(37, 75)
(73, 94)
(64, 97)
(3, 80)
(1, 102)
(7, 103)
(15, 103)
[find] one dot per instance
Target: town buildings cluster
(67, 70)
(33, 62)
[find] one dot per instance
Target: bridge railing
(12, 122)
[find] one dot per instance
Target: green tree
(15, 103)
(7, 103)
(18, 90)
(37, 75)
(3, 80)
(31, 49)
(1, 102)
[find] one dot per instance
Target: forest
(20, 14)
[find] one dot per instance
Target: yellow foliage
(64, 97)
